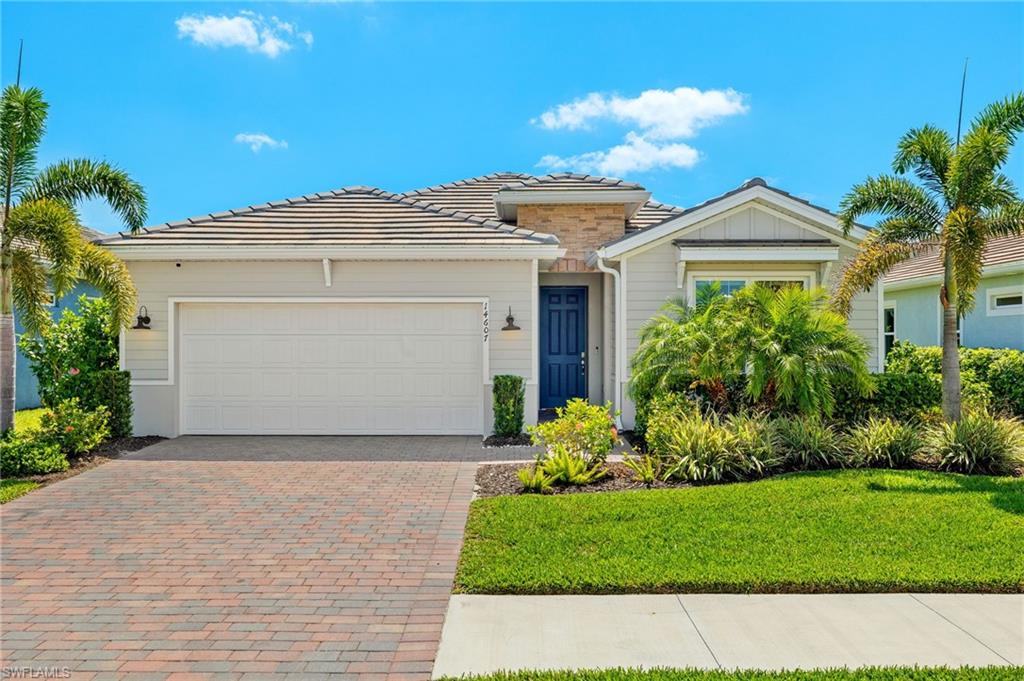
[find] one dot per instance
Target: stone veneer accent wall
(581, 228)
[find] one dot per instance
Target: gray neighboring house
(360, 311)
(912, 311)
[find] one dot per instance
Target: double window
(730, 283)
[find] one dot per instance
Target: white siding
(651, 279)
(505, 283)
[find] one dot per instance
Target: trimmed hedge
(509, 398)
(22, 455)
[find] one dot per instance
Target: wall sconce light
(142, 321)
(510, 322)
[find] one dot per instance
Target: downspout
(617, 383)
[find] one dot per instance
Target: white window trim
(891, 305)
(993, 293)
(807, 278)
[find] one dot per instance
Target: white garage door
(331, 368)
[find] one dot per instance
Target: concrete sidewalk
(484, 634)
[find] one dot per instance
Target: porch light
(142, 321)
(510, 322)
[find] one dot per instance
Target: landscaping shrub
(807, 443)
(696, 448)
(1006, 381)
(903, 396)
(74, 429)
(565, 467)
(584, 430)
(645, 467)
(28, 455)
(534, 479)
(754, 442)
(883, 443)
(978, 443)
(78, 343)
(110, 389)
(509, 396)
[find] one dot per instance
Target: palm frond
(51, 229)
(71, 181)
(974, 168)
(30, 290)
(1006, 220)
(22, 123)
(963, 240)
(890, 196)
(110, 275)
(873, 259)
(927, 152)
(897, 230)
(1005, 117)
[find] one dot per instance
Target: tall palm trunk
(950, 347)
(7, 352)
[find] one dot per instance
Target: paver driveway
(231, 568)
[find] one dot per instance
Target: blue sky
(688, 99)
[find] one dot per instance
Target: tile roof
(1000, 251)
(353, 216)
(475, 195)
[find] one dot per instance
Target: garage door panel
(331, 368)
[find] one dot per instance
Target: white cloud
(247, 29)
(258, 140)
(635, 155)
(658, 118)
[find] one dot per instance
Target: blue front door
(563, 344)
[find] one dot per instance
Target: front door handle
(583, 362)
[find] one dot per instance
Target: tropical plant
(807, 443)
(566, 467)
(977, 443)
(534, 479)
(883, 443)
(644, 467)
(784, 347)
(585, 430)
(42, 251)
(960, 201)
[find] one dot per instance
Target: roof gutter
(319, 252)
(619, 339)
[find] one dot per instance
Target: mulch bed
(111, 449)
(500, 479)
(521, 440)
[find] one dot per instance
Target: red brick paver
(234, 569)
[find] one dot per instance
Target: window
(889, 328)
(730, 283)
(1008, 300)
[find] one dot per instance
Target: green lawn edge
(853, 531)
(12, 488)
(865, 674)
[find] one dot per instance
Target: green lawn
(830, 531)
(27, 419)
(872, 674)
(12, 488)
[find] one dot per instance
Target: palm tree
(42, 251)
(960, 201)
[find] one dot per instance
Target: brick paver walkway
(234, 569)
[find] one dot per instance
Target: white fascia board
(507, 200)
(161, 252)
(935, 279)
(765, 198)
(758, 254)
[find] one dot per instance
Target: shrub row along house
(362, 311)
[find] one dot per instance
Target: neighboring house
(26, 386)
(913, 311)
(361, 311)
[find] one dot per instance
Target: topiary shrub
(808, 443)
(883, 443)
(509, 397)
(22, 455)
(977, 443)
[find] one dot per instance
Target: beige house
(359, 311)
